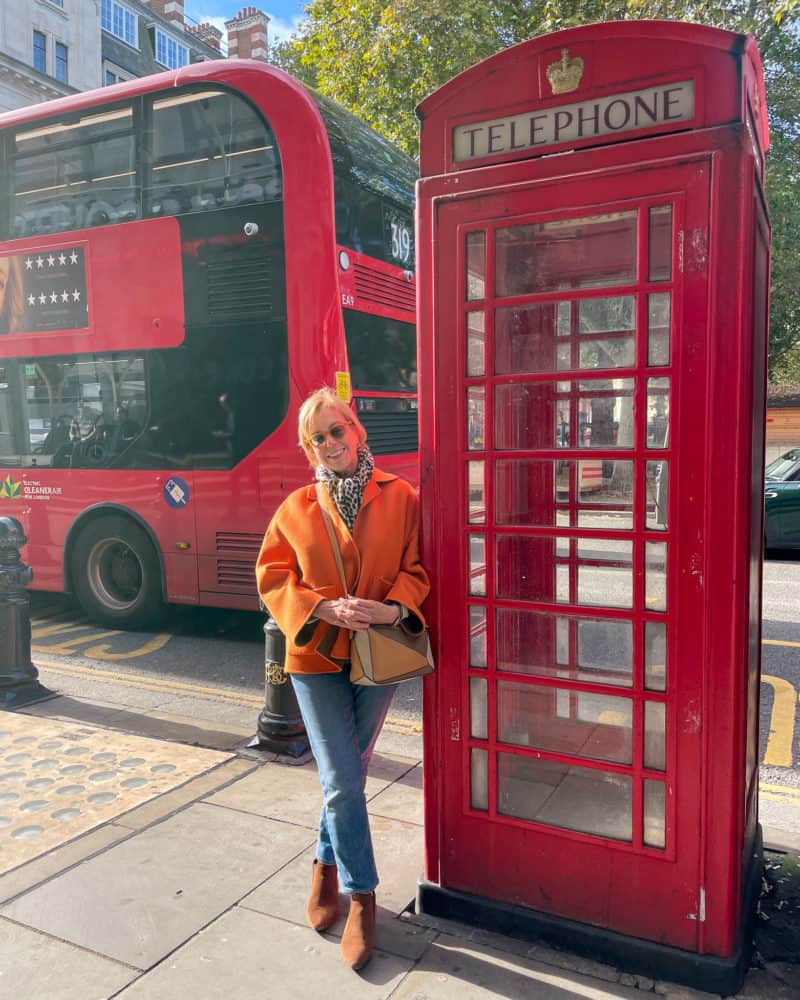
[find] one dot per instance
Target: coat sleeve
(411, 586)
(290, 601)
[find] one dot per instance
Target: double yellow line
(152, 683)
(407, 727)
(779, 750)
(779, 793)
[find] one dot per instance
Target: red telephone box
(593, 276)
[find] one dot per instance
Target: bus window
(383, 359)
(81, 412)
(75, 173)
(215, 399)
(210, 150)
(240, 392)
(374, 188)
(382, 353)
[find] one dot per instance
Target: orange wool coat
(296, 570)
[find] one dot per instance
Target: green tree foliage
(783, 193)
(380, 58)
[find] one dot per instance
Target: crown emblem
(565, 75)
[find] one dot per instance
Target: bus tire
(116, 574)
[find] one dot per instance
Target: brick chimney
(247, 34)
(206, 33)
(172, 10)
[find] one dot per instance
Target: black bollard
(280, 725)
(18, 683)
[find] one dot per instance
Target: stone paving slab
(228, 715)
(60, 779)
(453, 970)
(142, 898)
(402, 799)
(164, 725)
(21, 879)
(68, 709)
(293, 794)
(247, 954)
(787, 841)
(34, 966)
(399, 740)
(194, 730)
(398, 849)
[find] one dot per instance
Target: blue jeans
(343, 721)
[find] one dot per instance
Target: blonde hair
(14, 304)
(308, 412)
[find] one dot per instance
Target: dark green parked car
(782, 502)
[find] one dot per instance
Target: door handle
(770, 495)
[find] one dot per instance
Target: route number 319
(401, 242)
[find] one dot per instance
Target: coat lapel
(373, 488)
(350, 553)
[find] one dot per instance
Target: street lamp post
(280, 726)
(18, 676)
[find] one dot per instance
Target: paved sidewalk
(135, 865)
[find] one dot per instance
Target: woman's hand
(355, 613)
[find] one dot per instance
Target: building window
(40, 51)
(118, 20)
(62, 62)
(113, 74)
(169, 52)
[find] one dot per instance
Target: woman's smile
(339, 448)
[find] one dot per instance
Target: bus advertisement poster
(44, 289)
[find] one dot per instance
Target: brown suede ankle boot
(359, 931)
(323, 900)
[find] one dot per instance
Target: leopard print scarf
(347, 492)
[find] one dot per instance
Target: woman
(376, 518)
(12, 302)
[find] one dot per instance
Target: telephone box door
(570, 331)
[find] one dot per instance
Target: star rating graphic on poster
(65, 296)
(50, 260)
(55, 289)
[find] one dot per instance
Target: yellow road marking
(64, 647)
(103, 651)
(778, 642)
(782, 719)
(40, 633)
(177, 687)
(403, 725)
(779, 792)
(152, 683)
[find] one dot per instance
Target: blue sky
(284, 14)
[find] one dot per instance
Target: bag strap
(328, 522)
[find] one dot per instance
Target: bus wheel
(116, 574)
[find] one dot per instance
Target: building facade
(247, 34)
(139, 38)
(49, 48)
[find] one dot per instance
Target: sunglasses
(336, 431)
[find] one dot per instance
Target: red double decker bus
(182, 259)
